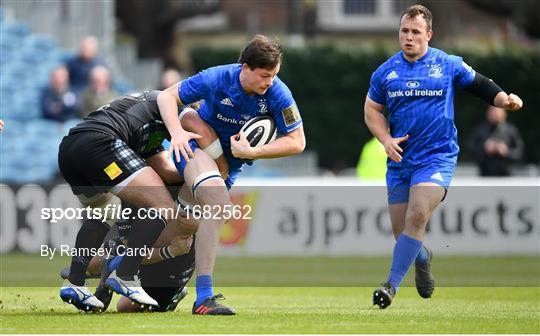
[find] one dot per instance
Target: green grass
(297, 295)
(292, 310)
(496, 271)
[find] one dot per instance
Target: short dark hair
(415, 10)
(261, 52)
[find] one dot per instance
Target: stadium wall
(309, 217)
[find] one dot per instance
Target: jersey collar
(236, 75)
(421, 59)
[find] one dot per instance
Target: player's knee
(108, 204)
(417, 216)
(208, 183)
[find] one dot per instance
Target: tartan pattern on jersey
(127, 156)
(152, 127)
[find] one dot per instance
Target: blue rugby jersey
(226, 106)
(419, 97)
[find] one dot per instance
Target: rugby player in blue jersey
(232, 94)
(419, 136)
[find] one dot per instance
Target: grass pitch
(330, 305)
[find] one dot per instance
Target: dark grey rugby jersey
(133, 119)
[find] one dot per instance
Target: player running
(233, 94)
(417, 86)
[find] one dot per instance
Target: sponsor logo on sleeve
(291, 115)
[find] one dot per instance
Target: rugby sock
(422, 256)
(203, 283)
(405, 251)
(143, 234)
(90, 235)
(114, 262)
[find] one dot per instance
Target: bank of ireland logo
(235, 230)
(413, 84)
(435, 71)
(245, 117)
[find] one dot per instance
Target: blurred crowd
(79, 86)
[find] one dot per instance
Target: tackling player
(163, 275)
(417, 86)
(233, 94)
(108, 154)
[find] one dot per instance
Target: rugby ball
(260, 130)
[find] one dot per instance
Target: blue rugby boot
(130, 288)
(80, 297)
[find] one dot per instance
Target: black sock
(143, 234)
(90, 235)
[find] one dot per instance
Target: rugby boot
(80, 297)
(210, 306)
(425, 284)
(383, 296)
(130, 288)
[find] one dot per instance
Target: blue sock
(203, 283)
(422, 256)
(405, 251)
(114, 262)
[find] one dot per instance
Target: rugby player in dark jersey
(163, 275)
(117, 150)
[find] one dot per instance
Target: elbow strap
(484, 88)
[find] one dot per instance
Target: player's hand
(490, 146)
(180, 145)
(180, 245)
(502, 149)
(392, 148)
(513, 103)
(240, 147)
(1, 124)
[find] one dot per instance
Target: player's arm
(178, 246)
(492, 93)
(291, 143)
(168, 102)
(209, 142)
(1, 124)
(378, 125)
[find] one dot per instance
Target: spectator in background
(99, 92)
(495, 144)
(169, 78)
(58, 101)
(372, 162)
(81, 65)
